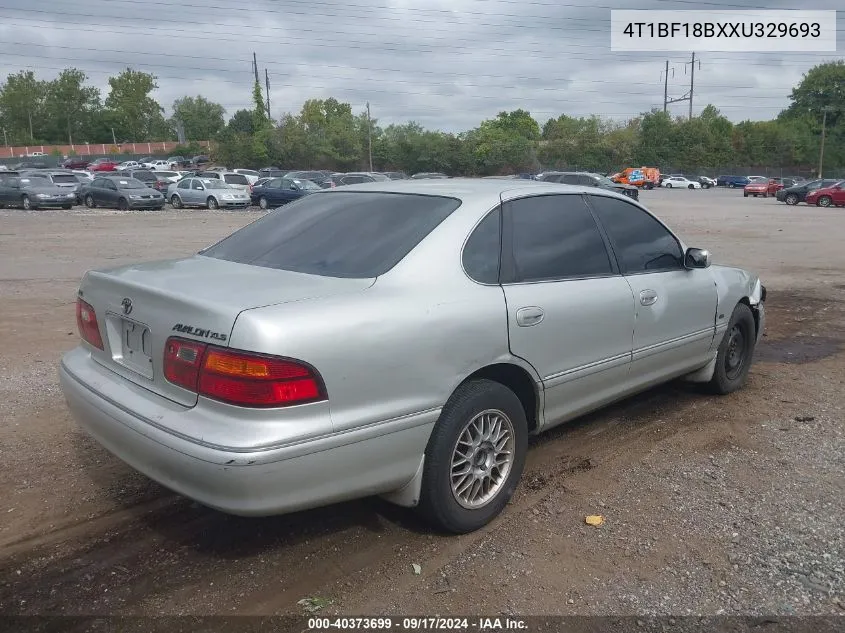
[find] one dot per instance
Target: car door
(675, 306)
(183, 188)
(8, 191)
(570, 311)
(838, 193)
(197, 192)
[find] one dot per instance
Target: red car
(833, 196)
(763, 187)
(103, 164)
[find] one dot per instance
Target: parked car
(103, 164)
(31, 193)
(177, 162)
(251, 174)
(798, 193)
(120, 192)
(832, 196)
(279, 329)
(396, 175)
(428, 176)
(732, 181)
(206, 192)
(35, 154)
(172, 176)
(128, 165)
(278, 191)
(307, 175)
(75, 162)
(765, 187)
(271, 172)
(65, 180)
(31, 164)
(704, 181)
(154, 180)
(83, 176)
(159, 165)
(236, 181)
(339, 180)
(680, 182)
(588, 179)
(200, 161)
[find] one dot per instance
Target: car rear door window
(555, 237)
(569, 179)
(333, 234)
(482, 250)
(642, 244)
(184, 184)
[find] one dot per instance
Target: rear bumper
(377, 459)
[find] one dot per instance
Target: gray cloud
(447, 64)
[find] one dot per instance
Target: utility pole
(267, 84)
(5, 138)
(113, 137)
(369, 136)
(821, 151)
(666, 87)
(691, 83)
(31, 135)
(255, 66)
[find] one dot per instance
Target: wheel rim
(262, 203)
(212, 203)
(89, 201)
(26, 202)
(735, 353)
(482, 459)
(824, 201)
(791, 199)
(175, 201)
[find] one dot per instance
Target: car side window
(642, 244)
(481, 257)
(197, 185)
(184, 184)
(569, 179)
(555, 237)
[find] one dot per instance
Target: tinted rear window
(337, 234)
(235, 179)
(65, 178)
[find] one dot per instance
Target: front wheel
(731, 186)
(26, 203)
(744, 194)
(791, 199)
(176, 201)
(824, 201)
(474, 458)
(211, 203)
(691, 187)
(89, 201)
(262, 202)
(122, 205)
(733, 360)
(668, 185)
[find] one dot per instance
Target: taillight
(240, 378)
(86, 321)
(182, 361)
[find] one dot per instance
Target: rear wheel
(668, 185)
(26, 203)
(262, 202)
(766, 194)
(791, 199)
(176, 201)
(212, 203)
(823, 201)
(731, 185)
(474, 458)
(89, 201)
(122, 205)
(744, 194)
(691, 187)
(736, 351)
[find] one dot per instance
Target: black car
(201, 160)
(589, 179)
(121, 192)
(60, 178)
(798, 193)
(396, 175)
(149, 178)
(33, 193)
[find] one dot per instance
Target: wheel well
(754, 313)
(517, 380)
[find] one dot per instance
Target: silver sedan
(206, 192)
(398, 338)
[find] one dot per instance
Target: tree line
(327, 134)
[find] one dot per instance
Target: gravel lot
(728, 505)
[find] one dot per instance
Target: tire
(26, 203)
(212, 203)
(691, 187)
(736, 351)
(791, 199)
(731, 185)
(67, 207)
(473, 406)
(122, 205)
(744, 194)
(766, 195)
(668, 185)
(823, 201)
(175, 201)
(262, 203)
(89, 201)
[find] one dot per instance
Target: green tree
(22, 107)
(70, 107)
(822, 88)
(137, 115)
(201, 118)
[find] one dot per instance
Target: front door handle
(526, 317)
(648, 297)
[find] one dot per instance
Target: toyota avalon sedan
(400, 338)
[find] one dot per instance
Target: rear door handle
(648, 297)
(526, 317)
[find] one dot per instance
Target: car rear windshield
(235, 179)
(129, 183)
(338, 234)
(64, 178)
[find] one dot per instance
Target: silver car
(206, 192)
(399, 338)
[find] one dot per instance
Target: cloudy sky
(444, 63)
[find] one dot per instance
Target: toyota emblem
(127, 305)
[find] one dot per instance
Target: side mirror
(294, 187)
(697, 258)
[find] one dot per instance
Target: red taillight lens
(86, 321)
(182, 362)
(240, 378)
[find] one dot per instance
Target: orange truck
(646, 177)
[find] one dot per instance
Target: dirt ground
(712, 505)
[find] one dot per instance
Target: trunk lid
(139, 307)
